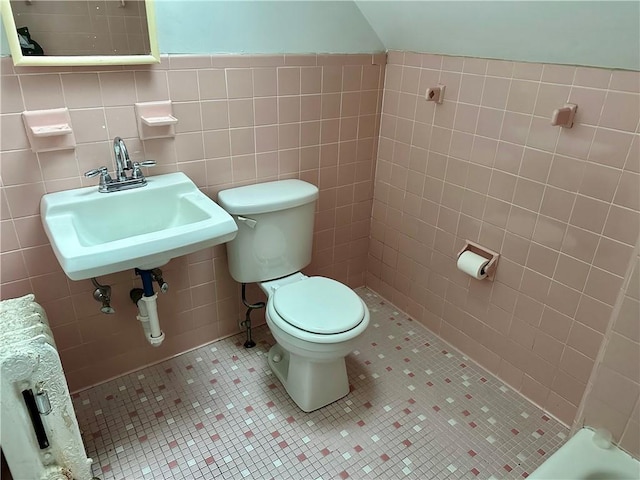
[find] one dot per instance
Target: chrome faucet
(123, 163)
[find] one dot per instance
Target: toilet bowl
(315, 321)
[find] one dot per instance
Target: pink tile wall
(242, 119)
(560, 205)
(612, 400)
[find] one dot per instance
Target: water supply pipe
(102, 294)
(247, 318)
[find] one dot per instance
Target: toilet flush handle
(249, 222)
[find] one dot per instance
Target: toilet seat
(319, 305)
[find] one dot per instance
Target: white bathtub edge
(580, 458)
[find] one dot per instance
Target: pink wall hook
(435, 94)
(564, 116)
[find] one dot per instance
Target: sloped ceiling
(600, 33)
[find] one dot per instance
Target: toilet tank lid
(267, 197)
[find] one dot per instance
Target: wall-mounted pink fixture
(155, 119)
(49, 130)
(563, 117)
(435, 94)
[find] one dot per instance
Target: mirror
(81, 32)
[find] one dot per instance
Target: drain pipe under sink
(147, 301)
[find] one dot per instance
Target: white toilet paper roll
(472, 264)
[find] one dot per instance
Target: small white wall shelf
(155, 120)
(49, 130)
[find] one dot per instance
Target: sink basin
(95, 234)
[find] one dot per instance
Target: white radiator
(37, 445)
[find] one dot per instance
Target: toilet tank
(275, 228)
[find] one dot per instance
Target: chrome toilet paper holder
(493, 257)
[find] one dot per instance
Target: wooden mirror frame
(72, 60)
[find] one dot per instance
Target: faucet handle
(105, 178)
(145, 163)
(137, 173)
(97, 171)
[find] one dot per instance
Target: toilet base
(311, 385)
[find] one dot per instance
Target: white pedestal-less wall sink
(94, 234)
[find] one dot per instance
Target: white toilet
(314, 320)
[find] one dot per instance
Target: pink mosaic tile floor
(416, 410)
